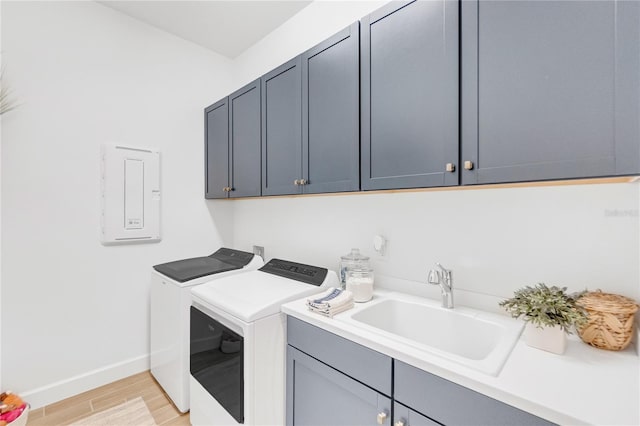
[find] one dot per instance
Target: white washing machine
(238, 375)
(171, 285)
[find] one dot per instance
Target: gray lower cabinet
(321, 395)
(334, 381)
(282, 129)
(550, 89)
(405, 416)
(232, 145)
(448, 403)
(409, 95)
(216, 149)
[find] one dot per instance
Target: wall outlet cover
(259, 250)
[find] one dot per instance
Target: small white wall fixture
(130, 189)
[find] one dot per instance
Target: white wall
(495, 240)
(75, 313)
(310, 26)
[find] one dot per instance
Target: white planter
(550, 339)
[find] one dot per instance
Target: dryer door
(217, 355)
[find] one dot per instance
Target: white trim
(58, 391)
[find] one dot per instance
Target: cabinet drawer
(363, 364)
(405, 416)
(450, 403)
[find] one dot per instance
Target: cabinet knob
(303, 182)
(450, 167)
(382, 417)
(399, 423)
(296, 182)
(225, 189)
(468, 165)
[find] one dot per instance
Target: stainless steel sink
(473, 338)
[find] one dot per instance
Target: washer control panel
(296, 271)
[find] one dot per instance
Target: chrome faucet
(446, 285)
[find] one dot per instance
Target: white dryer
(171, 285)
(238, 342)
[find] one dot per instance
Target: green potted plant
(550, 314)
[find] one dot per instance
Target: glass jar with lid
(352, 260)
(360, 283)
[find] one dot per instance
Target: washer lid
(256, 294)
(221, 261)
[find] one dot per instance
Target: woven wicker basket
(611, 320)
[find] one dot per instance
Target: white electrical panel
(130, 186)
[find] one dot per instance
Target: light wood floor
(99, 399)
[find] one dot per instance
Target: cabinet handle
(468, 165)
(450, 167)
(382, 417)
(399, 423)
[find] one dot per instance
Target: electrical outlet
(259, 250)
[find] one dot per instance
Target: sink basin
(476, 339)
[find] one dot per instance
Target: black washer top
(222, 260)
(296, 271)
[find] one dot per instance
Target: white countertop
(585, 385)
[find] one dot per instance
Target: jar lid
(354, 255)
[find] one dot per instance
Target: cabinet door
(319, 395)
(245, 131)
(281, 129)
(331, 114)
(216, 149)
(403, 416)
(409, 95)
(550, 89)
(451, 404)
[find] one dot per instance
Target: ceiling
(227, 27)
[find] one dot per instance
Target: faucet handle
(434, 277)
(445, 270)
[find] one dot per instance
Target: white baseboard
(58, 391)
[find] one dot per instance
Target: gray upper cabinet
(216, 149)
(245, 141)
(331, 114)
(232, 145)
(282, 129)
(310, 119)
(409, 95)
(550, 90)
